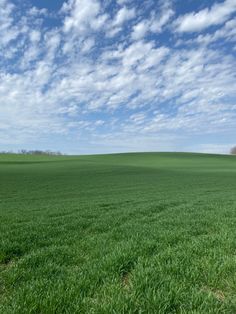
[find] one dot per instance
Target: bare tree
(233, 150)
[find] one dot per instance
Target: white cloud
(140, 29)
(158, 23)
(115, 25)
(8, 30)
(123, 15)
(138, 118)
(82, 14)
(88, 44)
(227, 32)
(120, 2)
(35, 36)
(197, 21)
(155, 23)
(35, 12)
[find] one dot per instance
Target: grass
(122, 233)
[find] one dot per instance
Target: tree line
(33, 152)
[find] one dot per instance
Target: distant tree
(22, 151)
(6, 152)
(39, 152)
(233, 150)
(33, 152)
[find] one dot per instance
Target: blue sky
(92, 76)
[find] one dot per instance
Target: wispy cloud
(197, 21)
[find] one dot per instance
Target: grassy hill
(121, 233)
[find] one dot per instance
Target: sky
(103, 76)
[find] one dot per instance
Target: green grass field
(122, 233)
